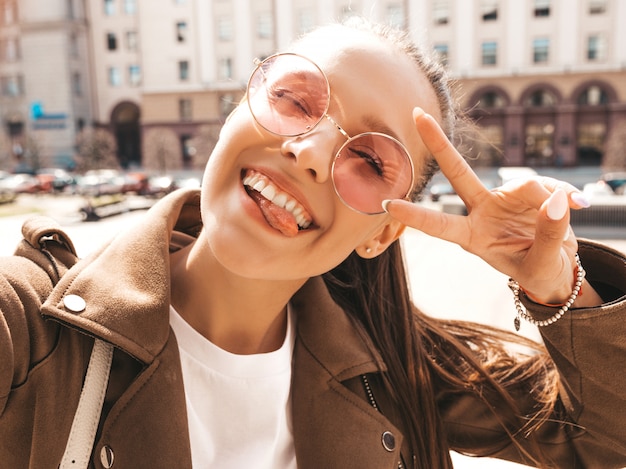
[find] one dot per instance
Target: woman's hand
(521, 228)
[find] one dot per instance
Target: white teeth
(280, 200)
(269, 193)
(262, 185)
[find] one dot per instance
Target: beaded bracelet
(522, 313)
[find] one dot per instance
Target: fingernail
(557, 205)
(384, 204)
(580, 199)
(418, 112)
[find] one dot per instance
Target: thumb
(552, 226)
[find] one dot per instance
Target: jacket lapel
(333, 426)
(123, 305)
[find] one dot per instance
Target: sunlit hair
(428, 358)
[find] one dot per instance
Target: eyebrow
(376, 125)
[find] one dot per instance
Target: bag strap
(85, 425)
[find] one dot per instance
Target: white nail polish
(384, 204)
(557, 205)
(580, 199)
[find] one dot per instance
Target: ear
(381, 240)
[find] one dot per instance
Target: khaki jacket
(45, 348)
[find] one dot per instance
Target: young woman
(266, 321)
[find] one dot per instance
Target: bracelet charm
(579, 275)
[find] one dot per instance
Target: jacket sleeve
(26, 279)
(587, 428)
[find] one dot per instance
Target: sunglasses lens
(370, 168)
(288, 94)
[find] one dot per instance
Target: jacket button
(389, 441)
(74, 303)
(107, 457)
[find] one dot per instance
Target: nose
(315, 150)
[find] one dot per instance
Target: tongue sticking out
(278, 218)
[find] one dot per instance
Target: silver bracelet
(522, 313)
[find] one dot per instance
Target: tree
(96, 149)
(162, 150)
(615, 148)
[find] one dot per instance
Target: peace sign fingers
(453, 166)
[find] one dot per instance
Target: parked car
(616, 181)
(597, 189)
(437, 190)
(6, 193)
(508, 173)
(97, 182)
(20, 184)
(54, 179)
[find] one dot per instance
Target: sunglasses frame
(259, 68)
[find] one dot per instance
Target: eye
(370, 157)
(289, 102)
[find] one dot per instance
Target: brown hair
(424, 355)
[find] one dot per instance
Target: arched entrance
(125, 126)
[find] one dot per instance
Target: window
(134, 75)
(131, 40)
(10, 49)
(347, 11)
(442, 53)
(130, 7)
(542, 8)
(181, 31)
(109, 7)
(593, 96)
(183, 70)
(491, 100)
(540, 98)
(306, 20)
(539, 144)
(224, 29)
(184, 109)
(77, 85)
(489, 53)
(115, 77)
(541, 49)
(8, 15)
(225, 69)
(111, 41)
(590, 143)
(596, 47)
(395, 15)
(73, 45)
(265, 25)
(12, 85)
(597, 7)
(70, 8)
(441, 11)
(188, 150)
(489, 10)
(228, 103)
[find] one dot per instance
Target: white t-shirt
(238, 406)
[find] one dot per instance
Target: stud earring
(368, 250)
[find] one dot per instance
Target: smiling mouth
(280, 209)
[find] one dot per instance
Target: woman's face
(372, 88)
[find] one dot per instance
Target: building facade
(544, 79)
(45, 88)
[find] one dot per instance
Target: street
(445, 280)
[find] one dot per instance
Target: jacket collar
(125, 286)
